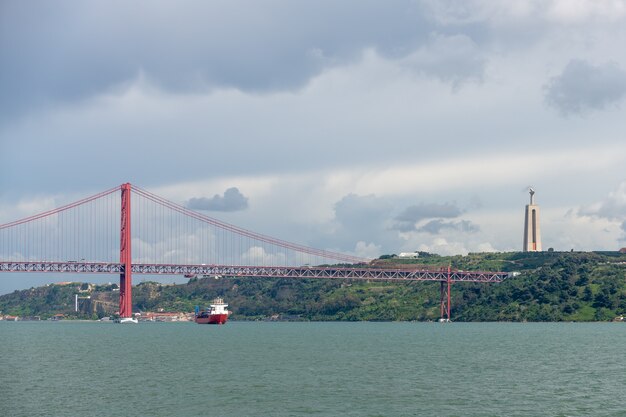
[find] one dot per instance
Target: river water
(312, 369)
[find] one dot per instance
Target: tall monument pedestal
(532, 231)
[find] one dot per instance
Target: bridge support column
(126, 304)
(446, 287)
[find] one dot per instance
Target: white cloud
(565, 12)
(257, 255)
(586, 233)
(576, 11)
(367, 250)
(608, 214)
(486, 247)
(443, 246)
(613, 207)
(487, 169)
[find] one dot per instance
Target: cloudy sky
(366, 127)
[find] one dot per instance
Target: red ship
(217, 314)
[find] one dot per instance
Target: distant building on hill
(408, 255)
(532, 231)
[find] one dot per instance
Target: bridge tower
(126, 303)
(532, 233)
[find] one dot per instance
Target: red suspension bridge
(99, 235)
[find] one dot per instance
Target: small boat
(126, 320)
(217, 314)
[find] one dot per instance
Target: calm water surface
(312, 369)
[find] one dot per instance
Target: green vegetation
(551, 286)
(47, 301)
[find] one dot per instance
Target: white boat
(125, 320)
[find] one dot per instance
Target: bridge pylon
(126, 303)
(446, 288)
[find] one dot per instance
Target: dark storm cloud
(406, 220)
(232, 200)
(436, 226)
(65, 50)
(583, 87)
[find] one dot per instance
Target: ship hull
(212, 319)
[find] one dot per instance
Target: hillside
(551, 286)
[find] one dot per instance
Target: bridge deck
(384, 274)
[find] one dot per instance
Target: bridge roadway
(383, 274)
